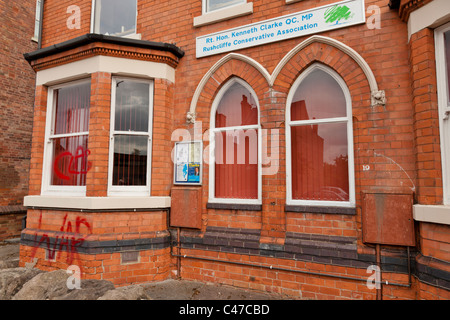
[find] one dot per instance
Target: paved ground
(165, 290)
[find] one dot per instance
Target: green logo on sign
(337, 13)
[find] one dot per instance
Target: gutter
(93, 37)
(394, 4)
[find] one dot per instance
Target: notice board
(188, 164)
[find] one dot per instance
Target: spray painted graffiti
(68, 242)
(80, 154)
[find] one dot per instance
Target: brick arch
(347, 63)
(344, 60)
(252, 73)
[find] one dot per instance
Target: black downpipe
(41, 16)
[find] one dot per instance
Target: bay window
(319, 133)
(235, 146)
(131, 132)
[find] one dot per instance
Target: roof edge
(94, 37)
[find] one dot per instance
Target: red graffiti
(82, 154)
(68, 242)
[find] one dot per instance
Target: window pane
(115, 17)
(236, 167)
(72, 109)
(236, 108)
(447, 59)
(319, 96)
(70, 161)
(132, 106)
(320, 162)
(130, 160)
(212, 5)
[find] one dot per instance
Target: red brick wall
(55, 21)
(434, 239)
(385, 137)
(426, 117)
(99, 127)
(16, 99)
(38, 141)
(16, 111)
(11, 222)
(58, 239)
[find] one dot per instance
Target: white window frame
(46, 187)
(212, 144)
(228, 12)
(444, 107)
(130, 190)
(348, 119)
(95, 17)
(236, 3)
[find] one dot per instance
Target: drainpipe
(41, 16)
(380, 287)
(179, 254)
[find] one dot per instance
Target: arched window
(319, 132)
(235, 145)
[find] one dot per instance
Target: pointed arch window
(319, 132)
(235, 146)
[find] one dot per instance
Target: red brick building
(16, 111)
(319, 155)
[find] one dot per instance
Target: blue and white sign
(333, 16)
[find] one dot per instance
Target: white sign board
(333, 16)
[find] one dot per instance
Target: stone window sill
(432, 214)
(234, 206)
(97, 203)
(320, 209)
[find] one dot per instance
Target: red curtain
(319, 159)
(70, 153)
(236, 151)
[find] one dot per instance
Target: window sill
(97, 203)
(136, 36)
(234, 206)
(223, 14)
(292, 1)
(432, 214)
(320, 209)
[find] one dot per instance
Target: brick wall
(434, 239)
(426, 117)
(99, 125)
(97, 243)
(395, 142)
(11, 222)
(16, 108)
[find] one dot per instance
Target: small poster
(182, 172)
(188, 163)
(194, 172)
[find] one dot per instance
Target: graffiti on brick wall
(69, 241)
(77, 164)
